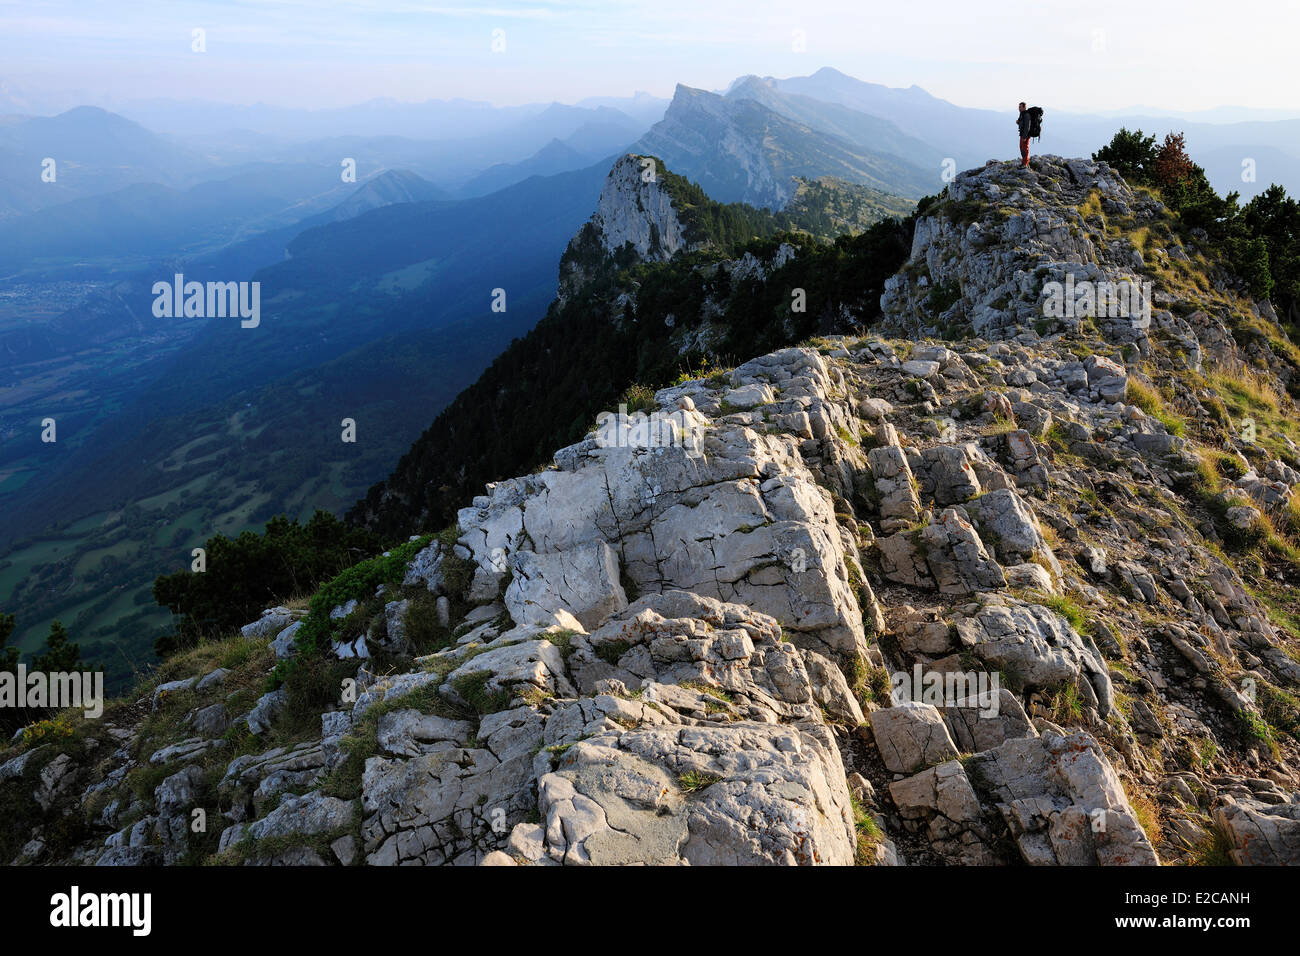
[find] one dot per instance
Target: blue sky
(1100, 55)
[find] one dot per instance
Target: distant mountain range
(451, 144)
(746, 143)
(1218, 139)
(586, 145)
(93, 151)
(968, 136)
(428, 120)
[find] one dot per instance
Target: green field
(411, 277)
(16, 480)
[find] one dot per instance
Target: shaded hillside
(382, 319)
(414, 266)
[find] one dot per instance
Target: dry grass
(1152, 403)
(1147, 812)
(999, 426)
(1092, 206)
(1249, 388)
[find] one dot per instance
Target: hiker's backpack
(1035, 121)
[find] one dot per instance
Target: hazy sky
(1096, 55)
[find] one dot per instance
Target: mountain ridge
(739, 149)
(1009, 590)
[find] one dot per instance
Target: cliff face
(634, 218)
(721, 144)
(654, 231)
(1019, 595)
(752, 143)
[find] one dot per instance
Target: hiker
(1030, 125)
(1022, 124)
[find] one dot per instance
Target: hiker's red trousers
(1024, 151)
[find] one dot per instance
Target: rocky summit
(985, 584)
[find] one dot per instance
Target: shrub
(59, 654)
(425, 632)
(1260, 241)
(472, 688)
(611, 651)
(312, 688)
(1172, 166)
(943, 296)
(1255, 728)
(360, 582)
(638, 398)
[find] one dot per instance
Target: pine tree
(8, 655)
(1130, 154)
(59, 655)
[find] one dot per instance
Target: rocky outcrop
(634, 216)
(739, 516)
(1000, 237)
(1062, 802)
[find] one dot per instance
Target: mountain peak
(682, 91)
(750, 144)
(749, 81)
(386, 188)
(1000, 221)
(96, 117)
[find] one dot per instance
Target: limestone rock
(1261, 834)
(307, 815)
(1062, 801)
(583, 581)
(911, 736)
(264, 713)
(283, 645)
(1039, 646)
(690, 796)
(273, 621)
(425, 568)
(536, 664)
(942, 800)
